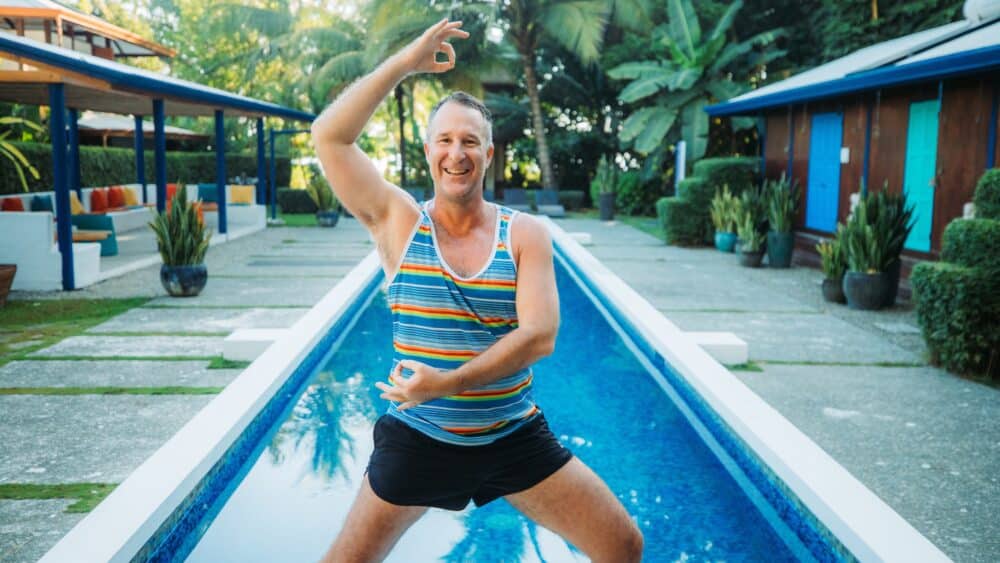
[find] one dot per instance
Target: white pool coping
(122, 524)
(861, 521)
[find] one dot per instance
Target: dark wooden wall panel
(800, 162)
(963, 130)
(890, 115)
(855, 126)
(776, 144)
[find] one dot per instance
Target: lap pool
(279, 487)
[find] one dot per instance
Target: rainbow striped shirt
(444, 320)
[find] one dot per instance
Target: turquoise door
(823, 193)
(918, 175)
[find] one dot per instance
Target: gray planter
(866, 292)
(327, 218)
(184, 281)
(606, 203)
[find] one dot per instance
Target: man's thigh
(372, 528)
(576, 504)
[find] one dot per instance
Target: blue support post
(991, 140)
(274, 181)
(74, 152)
(140, 157)
(791, 142)
(57, 129)
(261, 164)
(868, 150)
(220, 168)
(160, 158)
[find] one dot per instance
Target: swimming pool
(693, 466)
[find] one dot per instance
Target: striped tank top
(444, 320)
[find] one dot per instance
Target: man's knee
(624, 547)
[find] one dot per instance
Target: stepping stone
(31, 527)
(116, 373)
(149, 319)
(105, 346)
(244, 292)
(246, 344)
(583, 238)
(725, 347)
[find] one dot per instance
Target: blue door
(918, 175)
(823, 192)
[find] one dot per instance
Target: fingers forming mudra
(422, 52)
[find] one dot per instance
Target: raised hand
(421, 54)
(425, 384)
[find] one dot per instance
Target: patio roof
(98, 84)
(955, 49)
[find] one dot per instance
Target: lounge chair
(547, 202)
(517, 199)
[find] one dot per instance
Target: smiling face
(458, 151)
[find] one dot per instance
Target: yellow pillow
(75, 207)
(242, 194)
(130, 197)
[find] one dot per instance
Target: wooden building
(917, 114)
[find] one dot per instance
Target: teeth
(456, 173)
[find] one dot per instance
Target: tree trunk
(548, 178)
(402, 135)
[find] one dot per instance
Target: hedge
(958, 309)
(738, 172)
(697, 190)
(101, 166)
(974, 243)
(295, 201)
(987, 196)
(682, 221)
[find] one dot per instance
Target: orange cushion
(98, 201)
(12, 204)
(116, 196)
(171, 191)
(75, 207)
(242, 194)
(130, 197)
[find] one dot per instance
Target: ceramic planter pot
(327, 218)
(606, 203)
(866, 292)
(7, 272)
(833, 291)
(751, 259)
(893, 272)
(779, 249)
(184, 281)
(725, 242)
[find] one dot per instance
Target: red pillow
(12, 204)
(171, 191)
(98, 201)
(116, 196)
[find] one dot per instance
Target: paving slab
(802, 337)
(697, 290)
(611, 232)
(117, 373)
(250, 292)
(147, 319)
(86, 438)
(29, 528)
(924, 441)
(104, 346)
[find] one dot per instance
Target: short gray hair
(467, 100)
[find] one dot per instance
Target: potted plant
(834, 264)
(751, 240)
(892, 220)
(866, 285)
(606, 179)
(783, 203)
(725, 212)
(327, 208)
(182, 240)
(7, 273)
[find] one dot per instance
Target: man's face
(457, 151)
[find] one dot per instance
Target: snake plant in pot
(725, 212)
(327, 208)
(751, 240)
(834, 264)
(866, 285)
(182, 240)
(892, 221)
(782, 207)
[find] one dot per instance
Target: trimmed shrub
(987, 197)
(633, 196)
(958, 309)
(697, 190)
(974, 243)
(738, 172)
(572, 200)
(101, 166)
(683, 222)
(295, 201)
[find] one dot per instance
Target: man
(474, 303)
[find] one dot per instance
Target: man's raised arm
(354, 178)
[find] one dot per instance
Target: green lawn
(298, 219)
(87, 495)
(650, 225)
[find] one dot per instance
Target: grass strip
(157, 333)
(110, 390)
(74, 358)
(746, 311)
(748, 366)
(298, 220)
(849, 364)
(87, 495)
(219, 362)
(241, 307)
(649, 225)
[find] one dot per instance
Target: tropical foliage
(181, 236)
(18, 161)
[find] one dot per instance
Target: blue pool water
(598, 398)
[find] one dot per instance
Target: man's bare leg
(576, 504)
(372, 528)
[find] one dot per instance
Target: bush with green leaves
(321, 193)
(291, 200)
(181, 236)
(697, 190)
(987, 196)
(605, 179)
(782, 203)
(737, 172)
(681, 221)
(635, 197)
(974, 243)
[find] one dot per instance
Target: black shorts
(409, 468)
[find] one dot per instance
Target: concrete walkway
(855, 382)
(925, 441)
(266, 280)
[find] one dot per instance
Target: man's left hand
(425, 384)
